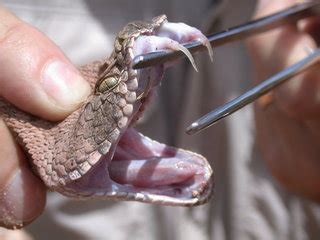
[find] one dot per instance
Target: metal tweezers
(288, 16)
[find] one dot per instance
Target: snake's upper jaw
(172, 36)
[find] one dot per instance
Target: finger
(291, 150)
(275, 50)
(22, 194)
(311, 26)
(6, 234)
(34, 74)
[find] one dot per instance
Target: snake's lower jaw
(147, 171)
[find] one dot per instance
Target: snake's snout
(171, 36)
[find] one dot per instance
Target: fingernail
(16, 207)
(64, 84)
(11, 213)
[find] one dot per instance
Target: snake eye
(107, 84)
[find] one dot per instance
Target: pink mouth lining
(141, 162)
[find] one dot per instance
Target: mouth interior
(141, 164)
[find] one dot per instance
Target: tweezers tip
(192, 129)
(137, 61)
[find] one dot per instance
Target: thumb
(36, 77)
(34, 74)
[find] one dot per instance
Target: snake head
(126, 165)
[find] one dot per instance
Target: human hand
(36, 77)
(288, 128)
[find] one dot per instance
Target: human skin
(39, 79)
(288, 127)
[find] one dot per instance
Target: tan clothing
(248, 203)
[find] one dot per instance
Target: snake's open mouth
(142, 165)
(142, 162)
